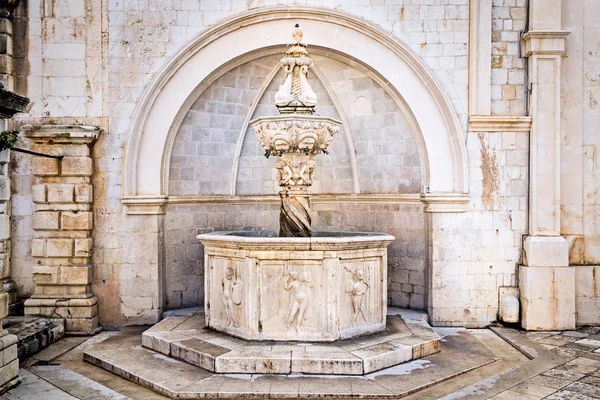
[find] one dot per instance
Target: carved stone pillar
(547, 283)
(295, 137)
(63, 222)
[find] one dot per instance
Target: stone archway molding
(144, 189)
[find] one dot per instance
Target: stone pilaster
(8, 285)
(547, 283)
(62, 223)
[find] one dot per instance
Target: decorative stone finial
(295, 95)
(297, 33)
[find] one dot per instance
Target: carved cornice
(62, 134)
(11, 102)
(145, 205)
(551, 42)
(433, 202)
(445, 202)
(498, 123)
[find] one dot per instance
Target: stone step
(34, 333)
(124, 355)
(407, 337)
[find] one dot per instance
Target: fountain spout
(295, 137)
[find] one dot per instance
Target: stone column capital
(545, 42)
(62, 134)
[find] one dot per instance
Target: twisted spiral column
(294, 216)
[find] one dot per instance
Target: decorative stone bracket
(62, 224)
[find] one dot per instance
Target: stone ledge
(445, 202)
(499, 123)
(185, 338)
(63, 134)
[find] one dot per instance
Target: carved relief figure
(356, 287)
(298, 284)
(232, 296)
(284, 173)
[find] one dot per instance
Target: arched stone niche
(169, 96)
(391, 64)
(215, 155)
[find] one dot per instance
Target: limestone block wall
(88, 62)
(376, 137)
(107, 52)
(118, 46)
(479, 251)
(204, 158)
(508, 75)
(580, 153)
(184, 274)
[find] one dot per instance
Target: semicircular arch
(179, 83)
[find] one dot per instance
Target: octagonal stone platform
(407, 337)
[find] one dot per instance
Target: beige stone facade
(469, 133)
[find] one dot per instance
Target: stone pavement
(536, 365)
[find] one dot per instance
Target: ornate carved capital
(297, 134)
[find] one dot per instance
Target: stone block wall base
(9, 363)
(547, 297)
(587, 294)
(80, 315)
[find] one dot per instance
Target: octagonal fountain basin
(259, 286)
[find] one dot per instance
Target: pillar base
(81, 315)
(547, 298)
(546, 251)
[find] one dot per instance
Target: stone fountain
(293, 295)
(298, 285)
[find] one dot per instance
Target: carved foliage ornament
(295, 136)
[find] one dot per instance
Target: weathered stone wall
(22, 210)
(580, 153)
(134, 39)
(185, 258)
(204, 155)
(89, 62)
(204, 151)
(480, 250)
(508, 75)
